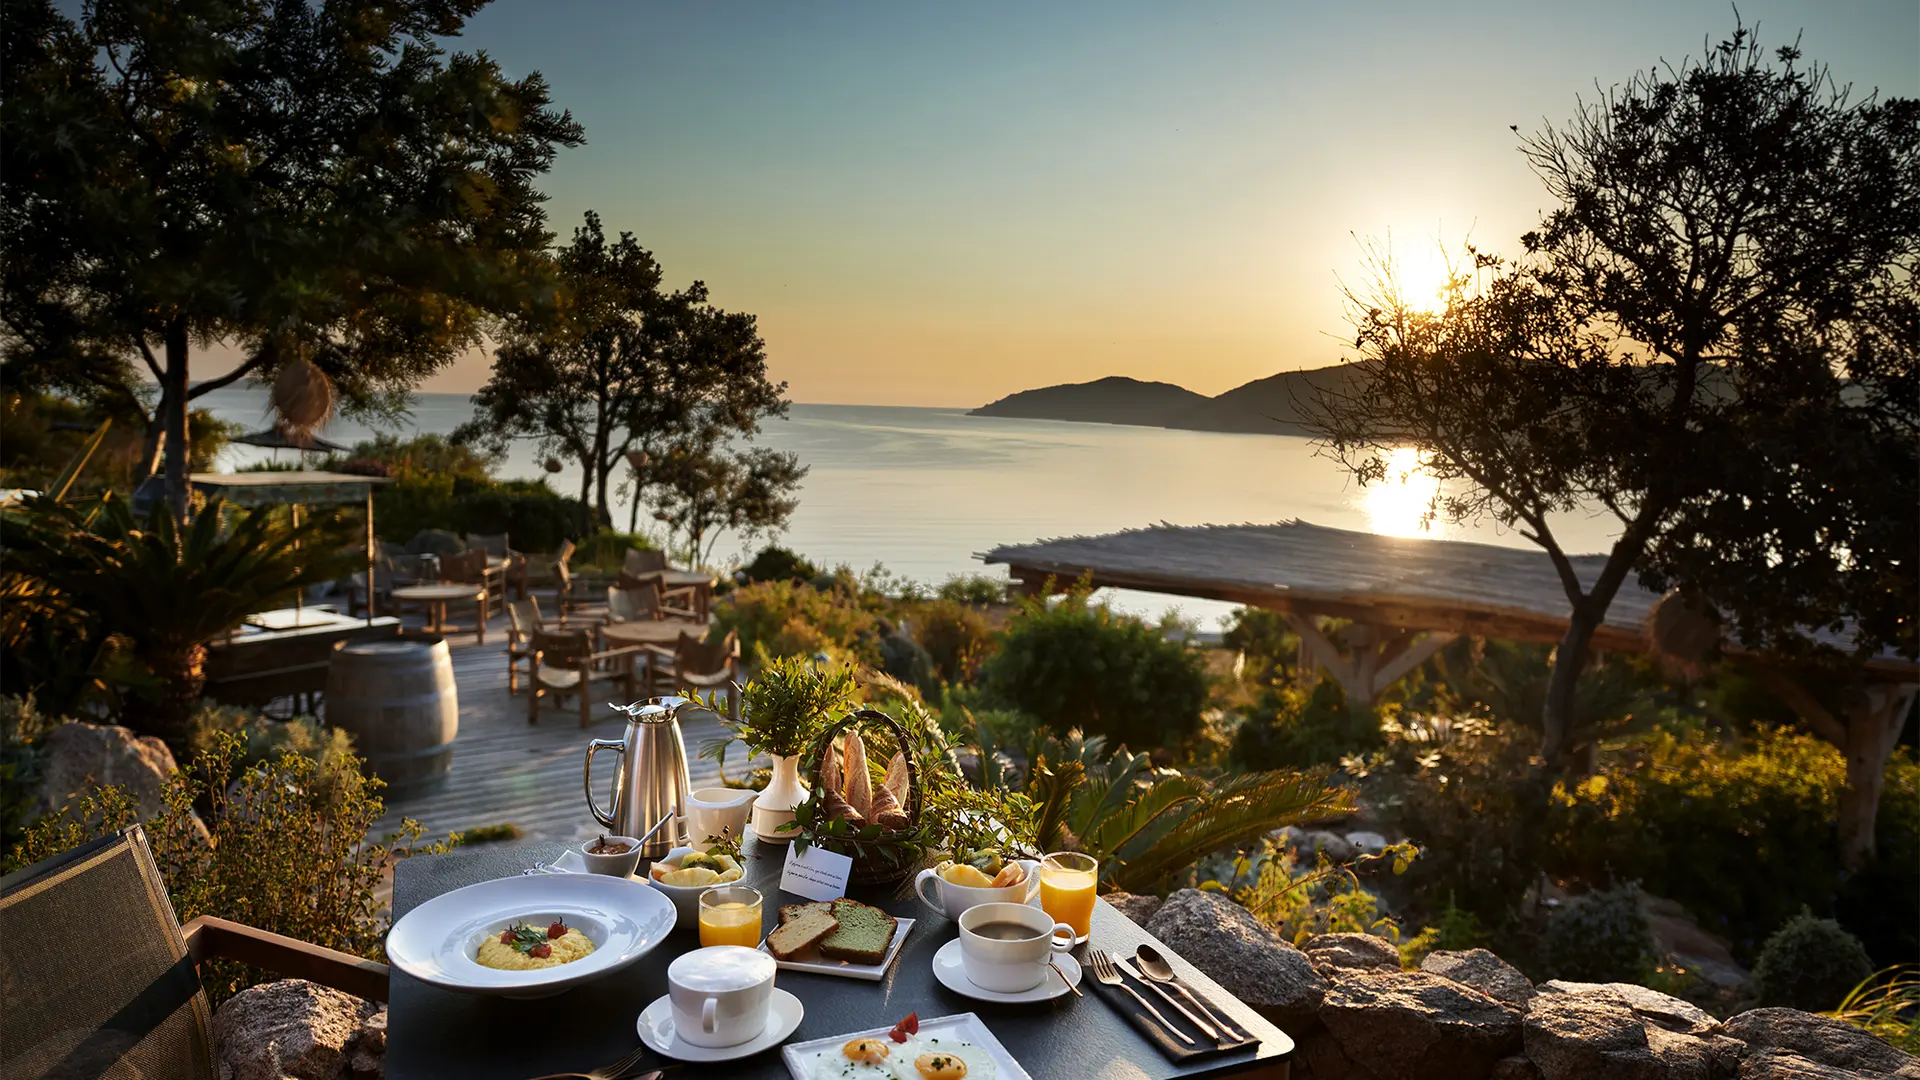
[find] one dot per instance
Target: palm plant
(165, 589)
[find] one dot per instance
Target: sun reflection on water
(1397, 504)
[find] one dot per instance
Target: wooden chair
(570, 599)
(697, 665)
(523, 618)
(674, 603)
(564, 665)
(639, 563)
(494, 544)
(470, 568)
(129, 1001)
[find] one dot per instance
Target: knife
(1206, 1029)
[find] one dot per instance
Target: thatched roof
(1449, 585)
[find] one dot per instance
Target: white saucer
(948, 968)
(656, 1030)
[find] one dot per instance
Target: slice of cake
(789, 912)
(803, 930)
(862, 935)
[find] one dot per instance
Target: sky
(943, 204)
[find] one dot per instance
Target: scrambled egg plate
(529, 949)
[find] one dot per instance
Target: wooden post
(370, 548)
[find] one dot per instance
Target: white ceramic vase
(773, 807)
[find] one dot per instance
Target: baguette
(800, 933)
(859, 783)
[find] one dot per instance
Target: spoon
(1155, 967)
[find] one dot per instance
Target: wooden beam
(1324, 651)
(210, 938)
(1410, 657)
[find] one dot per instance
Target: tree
(1732, 258)
(707, 488)
(620, 366)
(297, 179)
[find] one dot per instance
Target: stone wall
(1355, 1015)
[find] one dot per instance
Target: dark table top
(441, 1033)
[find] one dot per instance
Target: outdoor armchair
(570, 599)
(564, 664)
(523, 618)
(696, 665)
(125, 997)
(643, 562)
(668, 603)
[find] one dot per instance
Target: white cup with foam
(721, 996)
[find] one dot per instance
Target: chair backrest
(691, 656)
(523, 618)
(635, 604)
(561, 648)
(494, 544)
(122, 998)
(644, 562)
(468, 568)
(565, 554)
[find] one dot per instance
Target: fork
(1107, 975)
(615, 1071)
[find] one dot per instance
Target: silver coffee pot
(651, 788)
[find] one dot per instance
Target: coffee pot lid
(653, 710)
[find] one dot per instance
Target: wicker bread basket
(881, 857)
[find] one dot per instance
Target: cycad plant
(166, 590)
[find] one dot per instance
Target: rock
(1484, 972)
(1367, 843)
(1649, 1006)
(1516, 1067)
(1678, 936)
(1410, 1023)
(369, 1060)
(1819, 1039)
(1594, 1037)
(1137, 908)
(78, 757)
(1240, 953)
(1324, 1059)
(288, 1030)
(1787, 1065)
(1305, 842)
(1351, 951)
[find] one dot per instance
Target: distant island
(1268, 406)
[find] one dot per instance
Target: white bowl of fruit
(683, 874)
(977, 877)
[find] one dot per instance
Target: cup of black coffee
(1007, 947)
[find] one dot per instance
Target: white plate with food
(529, 936)
(837, 937)
(957, 1047)
(952, 973)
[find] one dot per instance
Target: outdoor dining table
(437, 597)
(664, 633)
(434, 1032)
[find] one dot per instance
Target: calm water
(924, 490)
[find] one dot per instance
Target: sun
(1419, 275)
(1398, 504)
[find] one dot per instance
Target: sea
(924, 491)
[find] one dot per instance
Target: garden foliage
(1599, 937)
(1810, 964)
(1289, 727)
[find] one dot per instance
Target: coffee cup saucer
(950, 969)
(656, 1030)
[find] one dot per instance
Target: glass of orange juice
(1067, 881)
(730, 915)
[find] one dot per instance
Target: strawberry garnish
(557, 930)
(506, 937)
(907, 1027)
(540, 952)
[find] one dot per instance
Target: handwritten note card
(817, 874)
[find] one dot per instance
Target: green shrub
(1287, 728)
(1262, 639)
(1810, 964)
(21, 727)
(785, 618)
(958, 636)
(1599, 937)
(534, 516)
(775, 563)
(1454, 930)
(289, 854)
(903, 658)
(978, 590)
(1078, 665)
(606, 550)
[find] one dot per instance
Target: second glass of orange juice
(1067, 882)
(730, 915)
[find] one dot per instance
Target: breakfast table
(435, 1032)
(436, 598)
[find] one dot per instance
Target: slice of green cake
(863, 935)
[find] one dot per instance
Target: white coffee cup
(953, 900)
(717, 811)
(1010, 965)
(721, 996)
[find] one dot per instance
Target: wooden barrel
(396, 698)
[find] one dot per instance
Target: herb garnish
(532, 940)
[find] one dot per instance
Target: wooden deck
(508, 771)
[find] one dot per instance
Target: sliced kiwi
(700, 858)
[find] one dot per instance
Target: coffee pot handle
(619, 746)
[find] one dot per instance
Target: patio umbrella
(275, 438)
